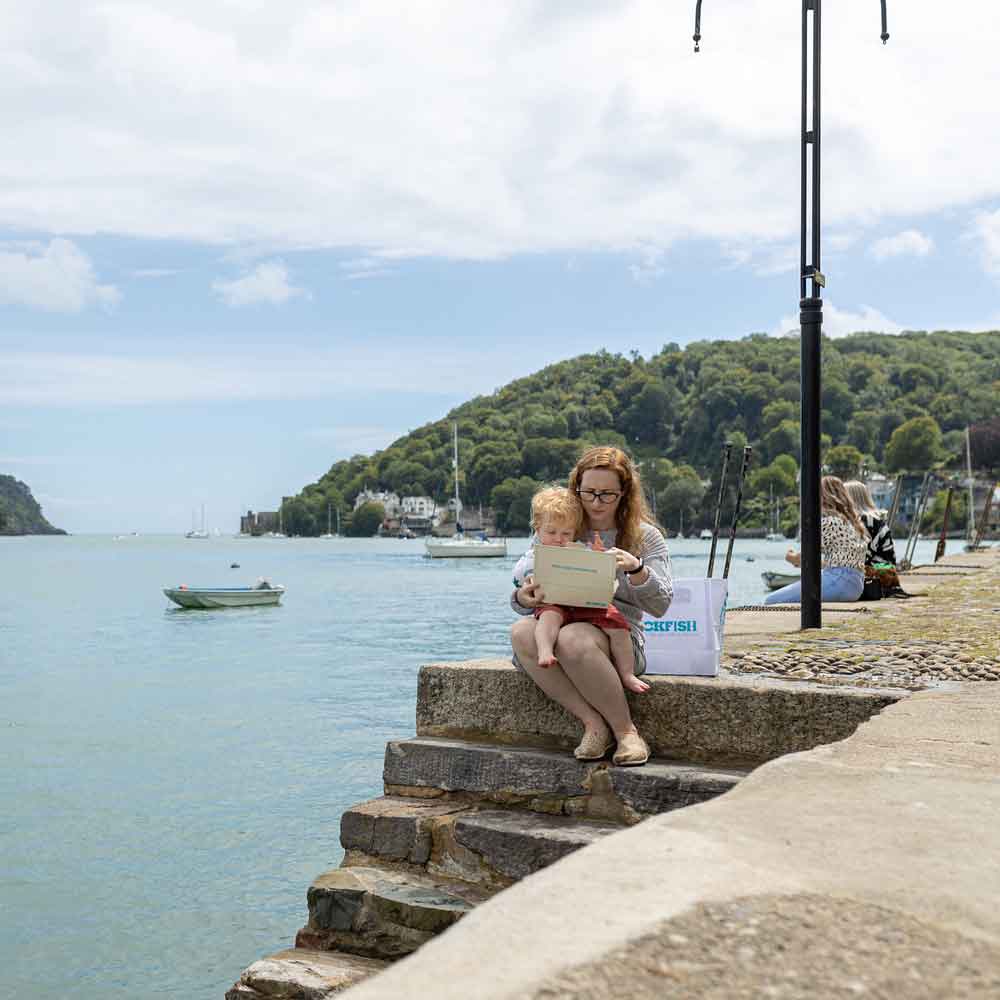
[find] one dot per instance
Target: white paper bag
(688, 638)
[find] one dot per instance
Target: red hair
(632, 510)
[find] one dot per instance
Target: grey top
(631, 599)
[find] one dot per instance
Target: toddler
(557, 519)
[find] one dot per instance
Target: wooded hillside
(890, 403)
(19, 511)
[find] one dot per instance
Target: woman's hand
(625, 562)
(529, 594)
(793, 557)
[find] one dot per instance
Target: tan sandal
(632, 751)
(594, 746)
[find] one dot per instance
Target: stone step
(302, 974)
(545, 781)
(488, 847)
(730, 718)
(516, 843)
(381, 913)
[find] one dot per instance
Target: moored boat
(775, 581)
(461, 547)
(260, 594)
(466, 548)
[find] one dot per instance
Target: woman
(584, 680)
(843, 545)
(880, 547)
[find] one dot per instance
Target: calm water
(171, 781)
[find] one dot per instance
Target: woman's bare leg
(623, 657)
(553, 680)
(547, 628)
(583, 652)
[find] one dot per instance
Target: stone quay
(820, 820)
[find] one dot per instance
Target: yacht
(461, 546)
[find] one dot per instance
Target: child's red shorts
(609, 617)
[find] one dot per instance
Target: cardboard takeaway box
(575, 576)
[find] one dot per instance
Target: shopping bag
(687, 640)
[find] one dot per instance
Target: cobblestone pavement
(950, 634)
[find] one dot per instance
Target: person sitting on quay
(584, 680)
(880, 544)
(843, 548)
(556, 519)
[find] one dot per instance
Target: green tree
(297, 517)
(914, 445)
(773, 480)
(957, 516)
(495, 461)
(680, 500)
(548, 458)
(511, 500)
(545, 424)
(783, 440)
(366, 520)
(844, 461)
(649, 418)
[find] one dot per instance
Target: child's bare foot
(632, 683)
(547, 659)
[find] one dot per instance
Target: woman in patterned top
(843, 547)
(583, 679)
(880, 547)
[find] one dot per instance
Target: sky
(242, 240)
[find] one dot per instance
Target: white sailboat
(774, 535)
(461, 547)
(197, 532)
(329, 533)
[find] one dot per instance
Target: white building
(389, 501)
(881, 489)
(418, 506)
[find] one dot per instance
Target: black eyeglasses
(599, 496)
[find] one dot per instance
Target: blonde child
(557, 519)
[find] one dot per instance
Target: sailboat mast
(454, 464)
(972, 495)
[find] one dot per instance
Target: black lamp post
(810, 307)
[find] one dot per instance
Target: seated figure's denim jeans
(837, 583)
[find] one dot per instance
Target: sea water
(171, 781)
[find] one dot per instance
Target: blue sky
(240, 240)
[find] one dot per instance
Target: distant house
(389, 501)
(418, 506)
(259, 523)
(882, 489)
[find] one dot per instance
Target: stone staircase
(459, 822)
(480, 799)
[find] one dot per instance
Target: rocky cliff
(19, 511)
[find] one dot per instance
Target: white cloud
(480, 130)
(649, 267)
(364, 267)
(360, 439)
(37, 379)
(57, 277)
(153, 272)
(910, 242)
(986, 231)
(266, 283)
(841, 322)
